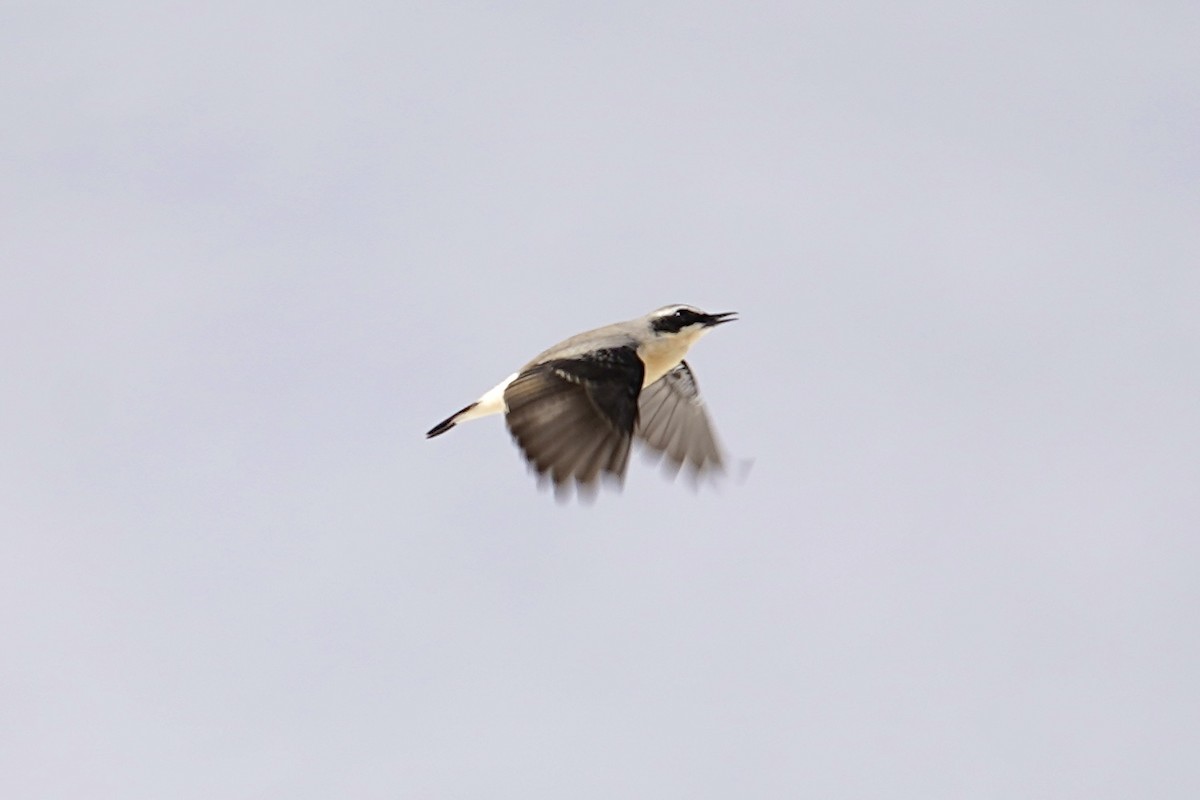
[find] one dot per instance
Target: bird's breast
(663, 355)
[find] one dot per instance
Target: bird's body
(575, 407)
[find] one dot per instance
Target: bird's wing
(573, 418)
(672, 421)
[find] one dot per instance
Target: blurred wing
(672, 420)
(574, 418)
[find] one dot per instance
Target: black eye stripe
(677, 320)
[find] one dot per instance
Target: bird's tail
(449, 422)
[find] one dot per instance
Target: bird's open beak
(717, 319)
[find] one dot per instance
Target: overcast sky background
(251, 253)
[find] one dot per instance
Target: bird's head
(685, 321)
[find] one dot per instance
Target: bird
(575, 408)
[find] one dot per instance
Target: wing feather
(672, 421)
(573, 419)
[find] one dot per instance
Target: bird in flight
(576, 407)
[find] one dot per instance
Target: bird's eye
(681, 313)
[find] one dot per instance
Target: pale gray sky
(252, 253)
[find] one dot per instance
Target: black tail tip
(440, 428)
(449, 422)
